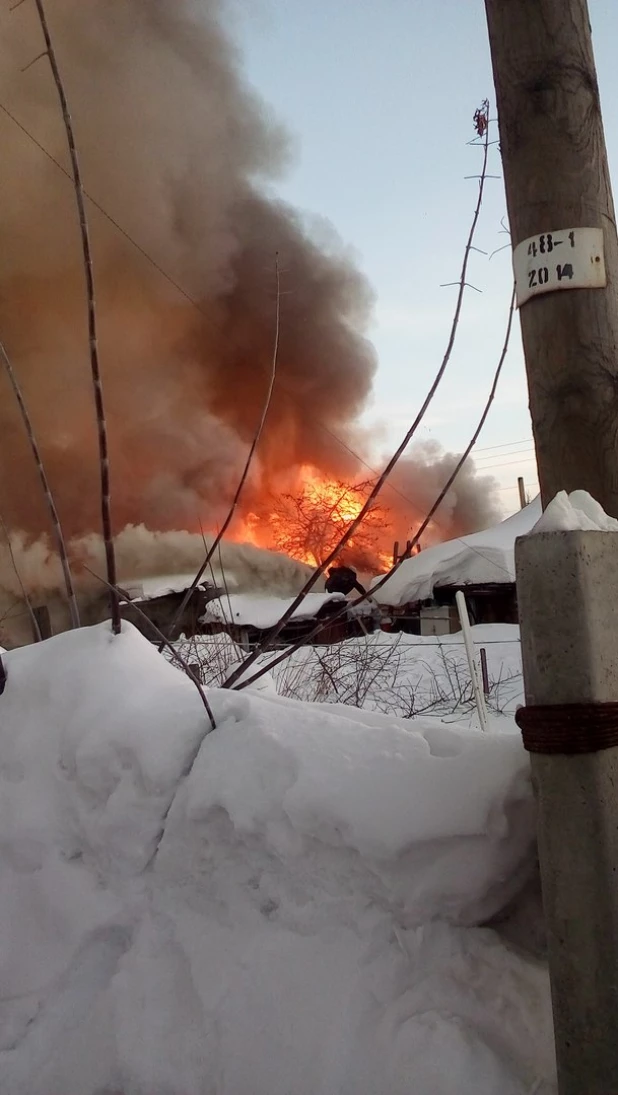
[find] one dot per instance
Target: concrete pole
(567, 584)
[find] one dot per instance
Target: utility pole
(557, 178)
(522, 493)
(566, 263)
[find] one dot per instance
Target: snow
(246, 609)
(145, 589)
(289, 905)
(577, 511)
(483, 557)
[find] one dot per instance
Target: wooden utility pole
(556, 176)
(564, 234)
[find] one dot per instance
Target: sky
(379, 100)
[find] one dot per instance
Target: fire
(342, 500)
(308, 522)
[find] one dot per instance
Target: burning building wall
(177, 154)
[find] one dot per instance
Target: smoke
(140, 554)
(179, 153)
(417, 481)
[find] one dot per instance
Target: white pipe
(479, 698)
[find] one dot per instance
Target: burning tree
(308, 524)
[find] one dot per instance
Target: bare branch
(49, 498)
(309, 584)
(34, 60)
(106, 521)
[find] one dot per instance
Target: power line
(510, 452)
(107, 215)
(507, 444)
(490, 461)
(527, 486)
(509, 463)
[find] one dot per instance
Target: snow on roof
(481, 558)
(145, 589)
(246, 609)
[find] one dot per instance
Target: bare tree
(309, 525)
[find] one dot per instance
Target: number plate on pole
(569, 259)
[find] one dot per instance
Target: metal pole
(484, 673)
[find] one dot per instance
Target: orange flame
(308, 522)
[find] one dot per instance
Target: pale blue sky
(379, 98)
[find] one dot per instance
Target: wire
(496, 461)
(509, 463)
(527, 486)
(507, 444)
(107, 215)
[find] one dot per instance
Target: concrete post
(567, 586)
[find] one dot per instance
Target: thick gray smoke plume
(177, 151)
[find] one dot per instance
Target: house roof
(479, 559)
(248, 610)
(147, 589)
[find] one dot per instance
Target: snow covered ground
(289, 905)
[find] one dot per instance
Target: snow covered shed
(152, 606)
(420, 596)
(248, 618)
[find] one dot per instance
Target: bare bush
(391, 676)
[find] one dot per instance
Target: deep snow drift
(284, 906)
